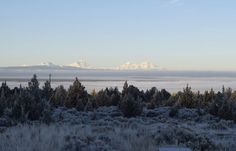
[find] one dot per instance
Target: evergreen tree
(102, 98)
(33, 87)
(33, 84)
(59, 96)
(130, 106)
(2, 102)
(94, 93)
(77, 95)
(125, 88)
(187, 98)
(47, 90)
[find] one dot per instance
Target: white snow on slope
(140, 66)
(48, 64)
(80, 64)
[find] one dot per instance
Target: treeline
(35, 103)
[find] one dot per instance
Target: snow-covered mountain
(83, 65)
(41, 66)
(49, 64)
(80, 64)
(139, 66)
(52, 66)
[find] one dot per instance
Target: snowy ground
(106, 129)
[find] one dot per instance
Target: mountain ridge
(82, 65)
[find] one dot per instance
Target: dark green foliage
(125, 87)
(115, 96)
(5, 90)
(186, 98)
(233, 110)
(173, 99)
(132, 90)
(33, 84)
(102, 98)
(108, 97)
(224, 105)
(130, 106)
(47, 91)
(160, 97)
(27, 103)
(21, 106)
(59, 96)
(2, 102)
(34, 103)
(1, 109)
(131, 102)
(150, 93)
(34, 90)
(225, 110)
(77, 96)
(46, 115)
(156, 97)
(91, 105)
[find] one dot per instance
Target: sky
(174, 34)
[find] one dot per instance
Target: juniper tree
(2, 102)
(130, 106)
(33, 87)
(58, 97)
(125, 87)
(47, 91)
(77, 95)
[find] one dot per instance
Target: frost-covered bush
(151, 105)
(173, 112)
(184, 137)
(73, 138)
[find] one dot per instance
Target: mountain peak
(48, 64)
(80, 64)
(139, 66)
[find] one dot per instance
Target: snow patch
(80, 64)
(139, 66)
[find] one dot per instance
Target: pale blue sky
(175, 34)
